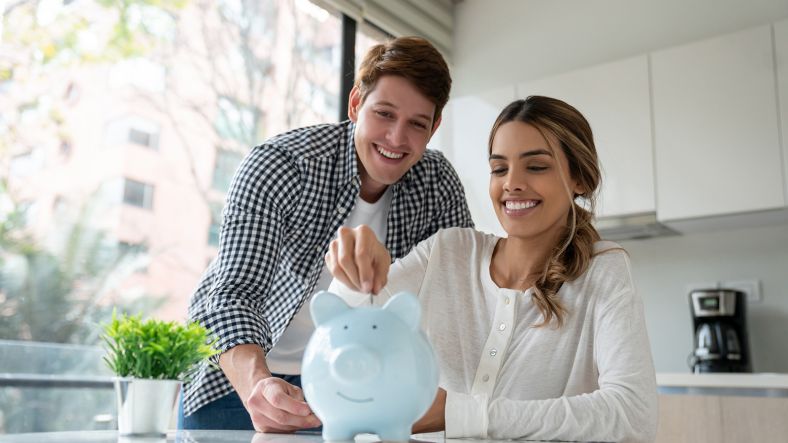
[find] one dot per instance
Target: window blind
(431, 19)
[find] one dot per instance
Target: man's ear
(354, 103)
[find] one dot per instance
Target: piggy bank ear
(325, 306)
(405, 306)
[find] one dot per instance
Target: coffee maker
(719, 322)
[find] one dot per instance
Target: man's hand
(358, 259)
(273, 404)
(277, 406)
(434, 419)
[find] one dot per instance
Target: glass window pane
(137, 193)
(368, 35)
(83, 88)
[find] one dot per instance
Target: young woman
(540, 334)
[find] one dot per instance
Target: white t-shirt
(285, 357)
(591, 380)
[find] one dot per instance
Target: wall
(505, 41)
(664, 267)
(534, 39)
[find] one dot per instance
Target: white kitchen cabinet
(472, 118)
(781, 42)
(614, 98)
(717, 148)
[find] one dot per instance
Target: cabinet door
(781, 40)
(472, 118)
(614, 98)
(716, 130)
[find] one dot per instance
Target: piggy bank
(368, 369)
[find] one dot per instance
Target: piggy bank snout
(355, 363)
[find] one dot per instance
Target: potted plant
(151, 359)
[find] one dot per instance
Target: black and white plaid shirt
(285, 204)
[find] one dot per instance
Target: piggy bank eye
(374, 326)
(345, 327)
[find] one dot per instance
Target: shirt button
(493, 352)
(502, 326)
(341, 210)
(318, 248)
(486, 377)
(506, 300)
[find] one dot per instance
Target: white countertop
(209, 437)
(723, 380)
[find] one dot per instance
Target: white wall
(502, 42)
(497, 42)
(664, 267)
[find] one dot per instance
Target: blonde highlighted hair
(572, 254)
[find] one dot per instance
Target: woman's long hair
(572, 254)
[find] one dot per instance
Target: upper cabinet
(472, 118)
(716, 126)
(614, 98)
(781, 42)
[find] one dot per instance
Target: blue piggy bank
(368, 369)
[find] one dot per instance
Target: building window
(236, 121)
(133, 129)
(143, 138)
(137, 193)
(224, 168)
(216, 224)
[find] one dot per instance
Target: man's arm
(273, 404)
(234, 309)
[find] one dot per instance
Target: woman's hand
(434, 419)
(358, 259)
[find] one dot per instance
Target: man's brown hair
(412, 58)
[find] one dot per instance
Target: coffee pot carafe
(719, 322)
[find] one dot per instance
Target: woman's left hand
(434, 420)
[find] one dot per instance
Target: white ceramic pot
(145, 405)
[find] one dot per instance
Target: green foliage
(155, 348)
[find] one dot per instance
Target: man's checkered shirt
(287, 200)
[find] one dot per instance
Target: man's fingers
(365, 242)
(346, 255)
(280, 407)
(336, 271)
(284, 401)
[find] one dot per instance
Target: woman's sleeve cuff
(465, 415)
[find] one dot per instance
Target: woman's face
(529, 190)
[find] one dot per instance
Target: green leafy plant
(154, 348)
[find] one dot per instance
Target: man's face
(393, 125)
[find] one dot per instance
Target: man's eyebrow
(387, 103)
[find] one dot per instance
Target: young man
(286, 202)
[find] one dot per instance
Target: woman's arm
(624, 408)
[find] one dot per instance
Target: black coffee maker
(719, 322)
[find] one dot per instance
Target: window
(137, 193)
(226, 163)
(143, 138)
(216, 224)
(134, 129)
(100, 93)
(236, 121)
(140, 73)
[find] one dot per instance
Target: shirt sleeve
(465, 415)
(624, 408)
(251, 237)
(454, 210)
